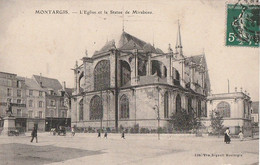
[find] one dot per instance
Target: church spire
(178, 46)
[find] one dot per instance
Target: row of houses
(37, 100)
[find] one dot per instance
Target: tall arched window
(125, 76)
(178, 103)
(166, 105)
(124, 107)
(159, 69)
(189, 105)
(224, 109)
(199, 108)
(80, 79)
(81, 109)
(96, 108)
(102, 75)
(176, 77)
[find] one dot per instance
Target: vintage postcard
(129, 82)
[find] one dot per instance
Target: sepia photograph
(129, 82)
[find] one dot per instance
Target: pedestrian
(99, 134)
(241, 136)
(73, 130)
(123, 134)
(105, 136)
(34, 134)
(227, 136)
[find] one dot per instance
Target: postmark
(243, 25)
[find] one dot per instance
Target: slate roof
(129, 42)
(69, 91)
(109, 45)
(49, 83)
(125, 38)
(199, 59)
(32, 84)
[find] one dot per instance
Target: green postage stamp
(243, 25)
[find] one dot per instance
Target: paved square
(135, 149)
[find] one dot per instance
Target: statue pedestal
(9, 125)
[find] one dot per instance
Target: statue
(9, 108)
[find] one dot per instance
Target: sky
(50, 44)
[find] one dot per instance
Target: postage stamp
(243, 25)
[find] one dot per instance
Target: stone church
(132, 82)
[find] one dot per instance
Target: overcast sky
(50, 44)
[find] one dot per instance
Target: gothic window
(125, 73)
(166, 105)
(81, 109)
(199, 108)
(80, 79)
(96, 108)
(189, 105)
(176, 76)
(124, 107)
(141, 67)
(224, 109)
(102, 75)
(178, 103)
(158, 68)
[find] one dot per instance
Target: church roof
(199, 59)
(126, 38)
(109, 45)
(128, 42)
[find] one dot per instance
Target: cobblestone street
(135, 149)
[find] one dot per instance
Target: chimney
(63, 85)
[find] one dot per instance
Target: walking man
(105, 136)
(73, 130)
(123, 134)
(34, 134)
(99, 134)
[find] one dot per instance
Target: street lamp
(156, 108)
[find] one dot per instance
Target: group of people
(105, 135)
(227, 137)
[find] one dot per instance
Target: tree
(182, 121)
(216, 122)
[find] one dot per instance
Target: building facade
(37, 101)
(35, 104)
(255, 112)
(13, 89)
(55, 108)
(235, 109)
(136, 83)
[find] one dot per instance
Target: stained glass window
(166, 105)
(96, 108)
(178, 103)
(224, 109)
(102, 75)
(189, 105)
(125, 73)
(199, 108)
(81, 110)
(124, 107)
